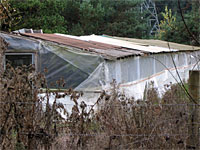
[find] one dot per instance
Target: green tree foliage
(90, 19)
(82, 17)
(123, 18)
(42, 14)
(172, 5)
(168, 26)
(72, 15)
(119, 18)
(172, 27)
(112, 17)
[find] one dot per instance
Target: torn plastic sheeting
(61, 62)
(56, 66)
(59, 68)
(95, 81)
(84, 61)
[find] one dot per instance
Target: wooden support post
(1, 54)
(194, 90)
(3, 48)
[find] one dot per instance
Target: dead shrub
(123, 123)
(29, 121)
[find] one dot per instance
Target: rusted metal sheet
(106, 50)
(71, 42)
(115, 53)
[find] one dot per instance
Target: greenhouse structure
(91, 63)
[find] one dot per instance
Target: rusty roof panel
(106, 50)
(115, 53)
(71, 42)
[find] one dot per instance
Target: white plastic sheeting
(132, 74)
(136, 89)
(88, 98)
(137, 73)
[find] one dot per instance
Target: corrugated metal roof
(71, 42)
(113, 47)
(147, 45)
(107, 50)
(127, 44)
(158, 43)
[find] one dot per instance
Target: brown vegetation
(28, 121)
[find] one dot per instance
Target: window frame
(21, 53)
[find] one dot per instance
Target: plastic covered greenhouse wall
(90, 72)
(71, 64)
(136, 73)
